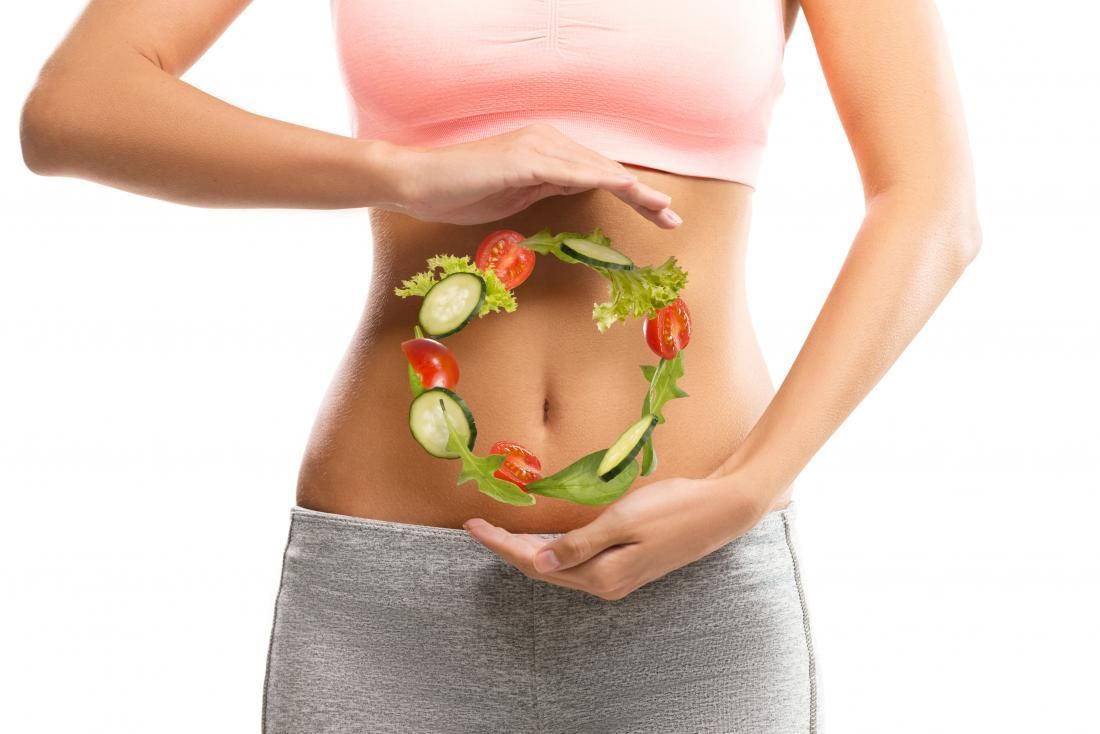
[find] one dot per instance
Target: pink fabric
(685, 87)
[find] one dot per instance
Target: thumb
(576, 546)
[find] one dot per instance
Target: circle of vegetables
(635, 291)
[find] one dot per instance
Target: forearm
(121, 120)
(906, 256)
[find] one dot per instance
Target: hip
(385, 626)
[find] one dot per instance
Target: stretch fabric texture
(687, 88)
(391, 627)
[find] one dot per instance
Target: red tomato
(669, 330)
(500, 253)
(433, 362)
(521, 467)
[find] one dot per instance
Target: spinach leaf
(579, 482)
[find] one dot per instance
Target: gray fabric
(389, 627)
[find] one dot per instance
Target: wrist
(742, 495)
(387, 167)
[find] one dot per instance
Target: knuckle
(604, 581)
(515, 174)
(613, 593)
(529, 136)
(578, 547)
(542, 128)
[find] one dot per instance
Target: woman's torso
(543, 375)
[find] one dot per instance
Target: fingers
(560, 172)
(573, 175)
(579, 545)
(661, 216)
(647, 201)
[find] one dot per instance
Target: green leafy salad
(455, 290)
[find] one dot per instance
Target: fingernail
(624, 176)
(546, 560)
(673, 217)
(474, 524)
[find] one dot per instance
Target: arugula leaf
(580, 483)
(662, 384)
(636, 292)
(662, 388)
(497, 297)
(481, 468)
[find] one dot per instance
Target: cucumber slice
(626, 447)
(429, 427)
(596, 254)
(451, 303)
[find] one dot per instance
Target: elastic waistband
(770, 522)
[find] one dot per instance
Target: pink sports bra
(684, 87)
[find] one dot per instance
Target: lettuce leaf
(639, 292)
(497, 297)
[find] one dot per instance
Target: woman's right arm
(109, 106)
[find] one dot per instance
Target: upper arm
(889, 71)
(168, 33)
(111, 45)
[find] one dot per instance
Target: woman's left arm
(889, 72)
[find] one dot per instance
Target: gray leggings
(390, 627)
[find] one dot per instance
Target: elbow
(947, 216)
(41, 133)
(966, 231)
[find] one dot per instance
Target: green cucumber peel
(545, 243)
(662, 388)
(634, 293)
(480, 469)
(497, 297)
(579, 482)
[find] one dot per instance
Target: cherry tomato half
(500, 253)
(432, 361)
(669, 330)
(521, 467)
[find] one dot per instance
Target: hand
(491, 178)
(640, 537)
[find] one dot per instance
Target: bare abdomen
(542, 376)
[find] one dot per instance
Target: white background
(161, 366)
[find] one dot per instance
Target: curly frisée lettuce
(636, 291)
(639, 292)
(497, 297)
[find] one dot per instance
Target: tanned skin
(109, 106)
